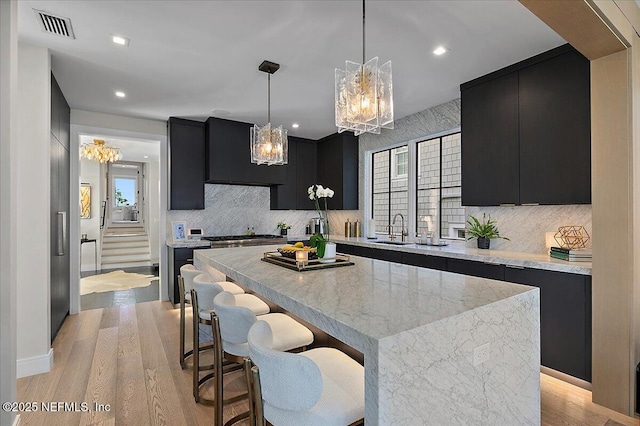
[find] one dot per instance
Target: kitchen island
(439, 348)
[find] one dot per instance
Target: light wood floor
(127, 357)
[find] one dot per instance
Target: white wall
(33, 178)
(152, 213)
(108, 121)
(90, 173)
(8, 207)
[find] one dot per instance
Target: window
(390, 189)
(435, 199)
(125, 191)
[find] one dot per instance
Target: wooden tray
(315, 264)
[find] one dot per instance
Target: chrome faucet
(392, 236)
(404, 232)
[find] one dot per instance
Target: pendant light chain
(269, 98)
(364, 35)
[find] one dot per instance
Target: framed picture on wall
(179, 231)
(85, 201)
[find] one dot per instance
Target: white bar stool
(230, 324)
(185, 284)
(202, 295)
(321, 386)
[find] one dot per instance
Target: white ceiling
(131, 149)
(187, 58)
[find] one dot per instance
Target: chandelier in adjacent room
(364, 94)
(98, 151)
(269, 145)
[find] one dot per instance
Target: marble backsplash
(230, 209)
(526, 226)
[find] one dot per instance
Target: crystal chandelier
(98, 151)
(364, 94)
(269, 145)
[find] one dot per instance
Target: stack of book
(571, 255)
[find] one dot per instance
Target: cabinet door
(338, 169)
(425, 261)
(283, 197)
(555, 131)
(229, 156)
(178, 257)
(490, 142)
(476, 269)
(345, 248)
(186, 147)
(565, 319)
(306, 174)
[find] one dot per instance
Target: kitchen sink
(394, 243)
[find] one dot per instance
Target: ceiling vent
(54, 24)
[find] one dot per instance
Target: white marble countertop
(374, 298)
(458, 250)
(418, 330)
(188, 243)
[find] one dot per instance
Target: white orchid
(315, 193)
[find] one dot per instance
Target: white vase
(329, 253)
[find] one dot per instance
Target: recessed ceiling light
(295, 125)
(120, 94)
(146, 156)
(439, 50)
(123, 41)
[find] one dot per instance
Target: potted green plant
(283, 227)
(484, 231)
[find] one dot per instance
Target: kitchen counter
(188, 244)
(458, 250)
(420, 331)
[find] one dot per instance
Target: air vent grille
(54, 24)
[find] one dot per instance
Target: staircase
(125, 245)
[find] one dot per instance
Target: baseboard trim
(565, 377)
(16, 421)
(35, 365)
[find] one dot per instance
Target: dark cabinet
(425, 261)
(228, 156)
(565, 318)
(489, 145)
(526, 135)
(345, 248)
(555, 132)
(186, 159)
(178, 257)
(338, 169)
(59, 208)
(476, 269)
(380, 254)
(300, 174)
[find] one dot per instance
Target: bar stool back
(231, 324)
(185, 284)
(202, 295)
(321, 386)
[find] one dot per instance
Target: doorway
(125, 180)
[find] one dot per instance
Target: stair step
(124, 234)
(126, 251)
(120, 258)
(132, 237)
(130, 264)
(114, 245)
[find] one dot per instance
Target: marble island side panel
(417, 329)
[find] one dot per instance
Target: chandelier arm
(364, 38)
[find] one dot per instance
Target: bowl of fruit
(290, 250)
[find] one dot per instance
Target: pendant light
(364, 94)
(98, 151)
(269, 145)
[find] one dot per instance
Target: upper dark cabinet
(489, 131)
(187, 163)
(301, 172)
(526, 132)
(338, 169)
(555, 132)
(228, 156)
(60, 114)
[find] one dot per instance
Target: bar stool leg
(183, 303)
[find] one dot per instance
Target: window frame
(412, 180)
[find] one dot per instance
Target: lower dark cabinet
(565, 318)
(345, 248)
(372, 253)
(476, 269)
(178, 257)
(424, 261)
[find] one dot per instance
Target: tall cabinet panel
(186, 148)
(489, 123)
(555, 132)
(60, 202)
